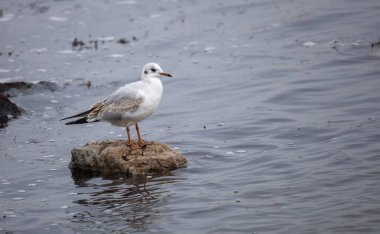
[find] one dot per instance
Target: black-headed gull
(129, 104)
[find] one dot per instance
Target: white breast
(151, 93)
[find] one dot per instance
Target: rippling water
(275, 104)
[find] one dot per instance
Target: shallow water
(275, 104)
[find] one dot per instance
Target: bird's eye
(145, 72)
(153, 69)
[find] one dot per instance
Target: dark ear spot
(145, 72)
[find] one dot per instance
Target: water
(275, 104)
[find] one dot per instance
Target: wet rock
(10, 89)
(377, 43)
(122, 41)
(95, 44)
(14, 85)
(77, 44)
(27, 87)
(116, 156)
(7, 109)
(47, 85)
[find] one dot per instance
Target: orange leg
(131, 144)
(129, 137)
(141, 141)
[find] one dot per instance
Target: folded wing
(125, 99)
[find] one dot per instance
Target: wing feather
(114, 109)
(125, 99)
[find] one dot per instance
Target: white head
(153, 70)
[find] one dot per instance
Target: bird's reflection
(123, 203)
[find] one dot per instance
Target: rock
(122, 41)
(377, 43)
(77, 43)
(7, 108)
(10, 89)
(14, 85)
(13, 88)
(116, 156)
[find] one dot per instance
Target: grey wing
(122, 94)
(121, 101)
(123, 105)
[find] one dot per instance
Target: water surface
(275, 104)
